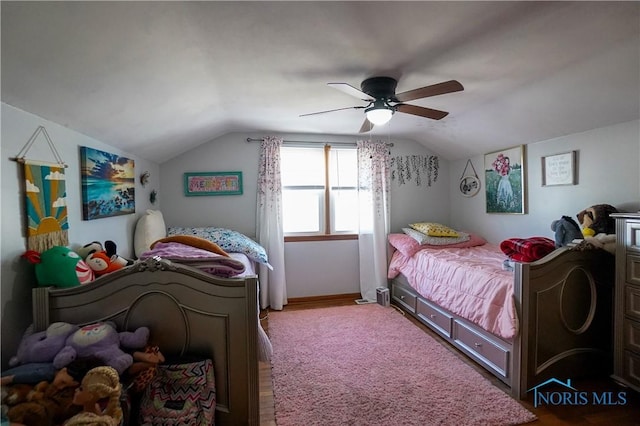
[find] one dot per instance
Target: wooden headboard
(188, 312)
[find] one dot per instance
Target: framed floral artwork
(505, 175)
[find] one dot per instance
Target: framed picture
(559, 169)
(108, 184)
(505, 181)
(212, 183)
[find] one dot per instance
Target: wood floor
(598, 415)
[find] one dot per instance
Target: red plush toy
(102, 260)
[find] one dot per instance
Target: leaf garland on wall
(415, 168)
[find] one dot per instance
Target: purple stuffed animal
(101, 340)
(42, 346)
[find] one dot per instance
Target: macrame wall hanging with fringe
(415, 168)
(45, 197)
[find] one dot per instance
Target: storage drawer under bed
(404, 296)
(440, 320)
(490, 352)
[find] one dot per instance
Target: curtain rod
(312, 142)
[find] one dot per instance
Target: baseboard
(324, 298)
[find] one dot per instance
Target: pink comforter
(469, 282)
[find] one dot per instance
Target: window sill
(333, 237)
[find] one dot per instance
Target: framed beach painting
(505, 181)
(108, 184)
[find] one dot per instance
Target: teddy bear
(597, 220)
(102, 340)
(102, 260)
(60, 267)
(566, 230)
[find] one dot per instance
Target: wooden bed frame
(564, 307)
(188, 312)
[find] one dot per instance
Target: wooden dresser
(626, 365)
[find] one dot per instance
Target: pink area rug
(368, 365)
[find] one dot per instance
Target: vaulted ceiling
(158, 78)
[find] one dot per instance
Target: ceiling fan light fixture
(379, 115)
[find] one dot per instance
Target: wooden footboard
(564, 303)
(564, 306)
(187, 311)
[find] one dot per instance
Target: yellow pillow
(434, 229)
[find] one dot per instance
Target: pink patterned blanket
(207, 261)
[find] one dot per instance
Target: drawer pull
(432, 316)
(477, 345)
(402, 297)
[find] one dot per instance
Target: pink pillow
(474, 240)
(408, 246)
(404, 244)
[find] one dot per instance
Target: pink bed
(469, 282)
(543, 319)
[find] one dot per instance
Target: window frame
(327, 214)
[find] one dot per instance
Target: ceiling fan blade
(421, 111)
(427, 91)
(330, 110)
(366, 126)
(351, 91)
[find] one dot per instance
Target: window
(319, 190)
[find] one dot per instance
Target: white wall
(312, 268)
(608, 173)
(16, 274)
(230, 152)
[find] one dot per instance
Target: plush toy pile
(49, 365)
(596, 229)
(62, 267)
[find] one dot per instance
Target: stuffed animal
(42, 346)
(16, 394)
(597, 220)
(144, 367)
(566, 230)
(47, 403)
(102, 260)
(101, 340)
(602, 241)
(60, 267)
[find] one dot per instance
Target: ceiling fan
(383, 100)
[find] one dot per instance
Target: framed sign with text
(559, 169)
(212, 183)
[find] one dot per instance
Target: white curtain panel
(269, 230)
(374, 178)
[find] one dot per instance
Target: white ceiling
(156, 79)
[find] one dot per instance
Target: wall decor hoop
(469, 184)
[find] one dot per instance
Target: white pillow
(150, 228)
